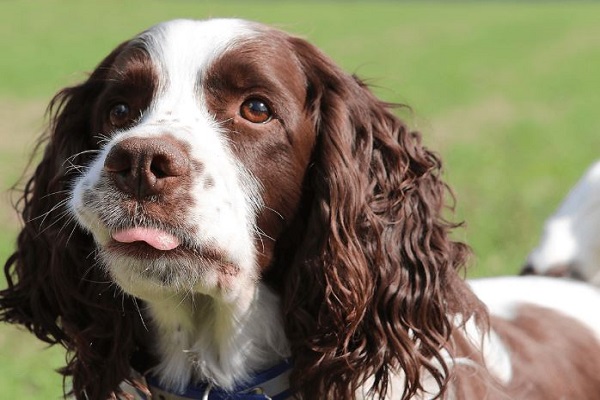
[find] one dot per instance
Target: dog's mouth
(147, 243)
(156, 238)
(167, 259)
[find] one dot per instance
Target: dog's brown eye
(256, 111)
(119, 115)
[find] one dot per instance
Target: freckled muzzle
(146, 169)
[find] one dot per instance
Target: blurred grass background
(508, 93)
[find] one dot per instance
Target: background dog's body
(570, 241)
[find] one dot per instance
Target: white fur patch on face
(219, 216)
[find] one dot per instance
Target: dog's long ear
(53, 288)
(373, 285)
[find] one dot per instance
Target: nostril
(119, 161)
(166, 163)
(158, 167)
(157, 172)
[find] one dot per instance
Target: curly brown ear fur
(374, 283)
(53, 288)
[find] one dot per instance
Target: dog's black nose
(144, 167)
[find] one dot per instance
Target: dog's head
(202, 157)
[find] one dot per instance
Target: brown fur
(554, 356)
(375, 258)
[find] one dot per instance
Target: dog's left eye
(119, 115)
(256, 111)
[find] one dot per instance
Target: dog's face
(203, 141)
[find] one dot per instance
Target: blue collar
(270, 384)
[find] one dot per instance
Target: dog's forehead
(185, 48)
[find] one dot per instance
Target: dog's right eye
(256, 111)
(119, 115)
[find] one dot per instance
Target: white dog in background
(570, 243)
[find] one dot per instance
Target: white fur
(220, 343)
(571, 237)
(503, 295)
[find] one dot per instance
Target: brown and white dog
(224, 210)
(570, 242)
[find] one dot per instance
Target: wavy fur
(376, 270)
(54, 288)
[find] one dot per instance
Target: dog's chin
(154, 275)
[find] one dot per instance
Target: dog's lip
(154, 237)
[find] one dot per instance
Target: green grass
(507, 93)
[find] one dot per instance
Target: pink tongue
(156, 238)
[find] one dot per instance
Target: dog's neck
(202, 339)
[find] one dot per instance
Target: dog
(222, 212)
(570, 246)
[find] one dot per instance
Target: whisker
(44, 216)
(59, 217)
(109, 282)
(102, 138)
(137, 307)
(69, 221)
(73, 167)
(260, 237)
(182, 301)
(72, 157)
(94, 252)
(262, 234)
(95, 265)
(275, 212)
(55, 194)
